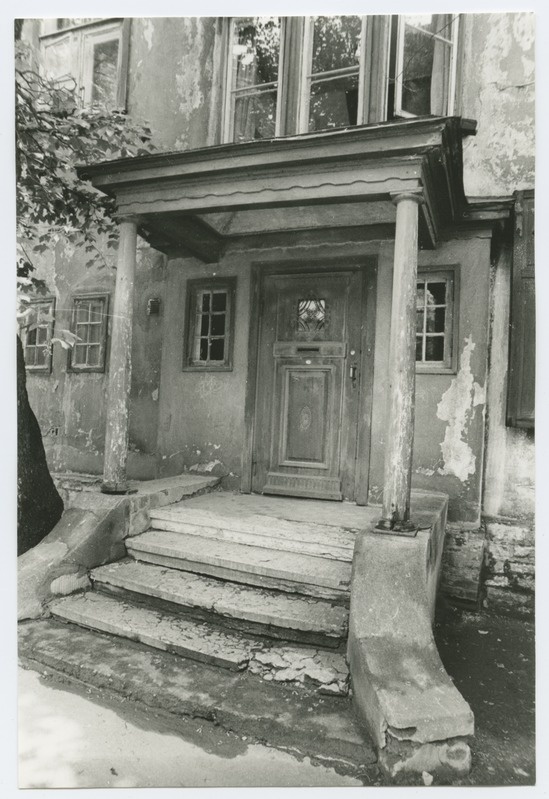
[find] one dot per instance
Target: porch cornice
(363, 164)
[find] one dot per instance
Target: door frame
(367, 264)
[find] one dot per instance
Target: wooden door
(306, 411)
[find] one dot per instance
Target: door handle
(353, 373)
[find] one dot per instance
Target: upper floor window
(253, 73)
(424, 65)
(295, 75)
(93, 56)
(37, 336)
(333, 50)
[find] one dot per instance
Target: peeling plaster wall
(450, 408)
(170, 78)
(497, 90)
(70, 406)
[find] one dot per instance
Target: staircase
(241, 591)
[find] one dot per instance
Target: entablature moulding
(198, 195)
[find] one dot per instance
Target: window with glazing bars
(435, 332)
(37, 336)
(210, 324)
(89, 324)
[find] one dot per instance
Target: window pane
(94, 334)
(419, 345)
(96, 312)
(417, 72)
(31, 336)
(105, 73)
(82, 312)
(255, 116)
(82, 332)
(435, 320)
(40, 356)
(434, 348)
(336, 43)
(206, 301)
(93, 355)
(218, 325)
(311, 315)
(439, 24)
(204, 325)
(334, 103)
(436, 293)
(256, 48)
(203, 349)
(420, 298)
(217, 349)
(219, 301)
(41, 335)
(79, 355)
(419, 321)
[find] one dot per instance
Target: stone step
(269, 568)
(205, 642)
(302, 721)
(319, 540)
(290, 614)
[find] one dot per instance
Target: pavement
(71, 737)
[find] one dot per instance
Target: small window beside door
(436, 346)
(210, 325)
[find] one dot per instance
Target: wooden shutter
(522, 354)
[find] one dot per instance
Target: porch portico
(398, 181)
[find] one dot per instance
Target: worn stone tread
(170, 632)
(205, 642)
(301, 570)
(314, 539)
(323, 728)
(226, 599)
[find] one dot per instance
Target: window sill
(423, 369)
(208, 368)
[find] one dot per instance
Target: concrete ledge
(91, 533)
(400, 688)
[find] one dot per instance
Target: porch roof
(196, 200)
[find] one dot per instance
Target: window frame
(307, 77)
(82, 38)
(194, 286)
(450, 89)
(227, 128)
(46, 367)
(450, 275)
(103, 342)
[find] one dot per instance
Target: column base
(117, 488)
(388, 527)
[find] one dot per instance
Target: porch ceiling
(195, 201)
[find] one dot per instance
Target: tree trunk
(39, 506)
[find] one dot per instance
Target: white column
(118, 386)
(402, 369)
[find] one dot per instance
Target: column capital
(409, 194)
(119, 218)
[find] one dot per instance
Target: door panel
(306, 408)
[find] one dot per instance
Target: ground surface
(492, 662)
(71, 738)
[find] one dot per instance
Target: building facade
(326, 192)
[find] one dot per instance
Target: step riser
(237, 576)
(225, 533)
(225, 622)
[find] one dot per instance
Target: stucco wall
(497, 90)
(449, 413)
